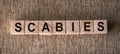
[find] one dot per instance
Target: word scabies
(51, 27)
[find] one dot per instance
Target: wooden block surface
(31, 27)
(45, 27)
(100, 26)
(58, 27)
(72, 27)
(17, 27)
(86, 26)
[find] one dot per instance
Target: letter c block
(31, 27)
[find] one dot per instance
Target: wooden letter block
(17, 27)
(72, 27)
(31, 27)
(100, 26)
(45, 27)
(58, 27)
(86, 26)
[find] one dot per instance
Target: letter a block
(100, 26)
(86, 26)
(45, 27)
(17, 27)
(31, 27)
(58, 27)
(72, 27)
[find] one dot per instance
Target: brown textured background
(11, 10)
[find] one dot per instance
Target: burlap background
(11, 10)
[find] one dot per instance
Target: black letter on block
(18, 26)
(59, 27)
(100, 24)
(31, 30)
(45, 27)
(86, 24)
(72, 26)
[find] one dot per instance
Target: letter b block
(58, 27)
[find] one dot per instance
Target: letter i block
(17, 27)
(72, 27)
(45, 27)
(86, 26)
(100, 26)
(31, 27)
(58, 27)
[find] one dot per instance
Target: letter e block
(100, 26)
(86, 26)
(17, 27)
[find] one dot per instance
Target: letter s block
(31, 27)
(100, 26)
(58, 27)
(17, 27)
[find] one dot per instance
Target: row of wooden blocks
(51, 27)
